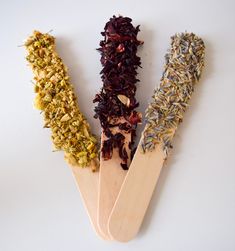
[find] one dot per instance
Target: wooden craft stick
(70, 131)
(184, 63)
(111, 177)
(135, 194)
(87, 183)
(116, 110)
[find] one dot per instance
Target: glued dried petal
(182, 70)
(116, 100)
(56, 98)
(124, 99)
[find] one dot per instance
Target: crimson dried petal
(119, 60)
(135, 118)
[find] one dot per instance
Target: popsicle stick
(87, 182)
(135, 194)
(70, 131)
(184, 63)
(116, 109)
(111, 177)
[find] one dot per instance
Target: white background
(193, 207)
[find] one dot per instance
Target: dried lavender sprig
(184, 63)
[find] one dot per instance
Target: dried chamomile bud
(56, 99)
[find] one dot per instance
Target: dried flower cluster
(56, 98)
(182, 70)
(116, 100)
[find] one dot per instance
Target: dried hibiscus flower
(116, 100)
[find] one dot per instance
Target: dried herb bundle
(56, 98)
(116, 100)
(182, 70)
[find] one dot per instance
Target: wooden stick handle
(111, 176)
(111, 179)
(135, 194)
(87, 182)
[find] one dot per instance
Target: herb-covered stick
(116, 100)
(116, 109)
(70, 131)
(56, 99)
(184, 63)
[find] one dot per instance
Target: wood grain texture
(87, 183)
(111, 176)
(135, 194)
